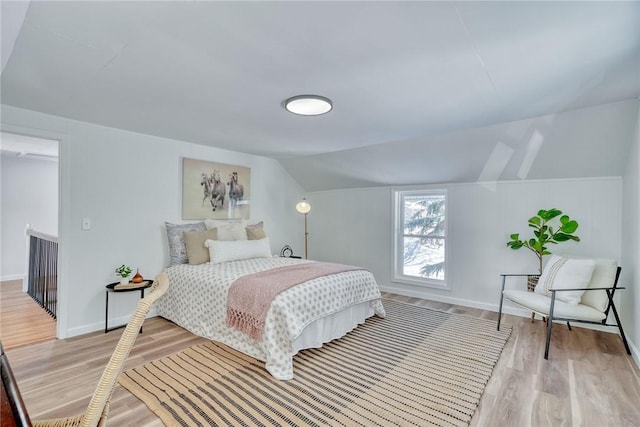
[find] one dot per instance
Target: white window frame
(398, 237)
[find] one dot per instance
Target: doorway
(29, 203)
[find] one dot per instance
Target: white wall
(630, 306)
(129, 184)
(29, 195)
(354, 226)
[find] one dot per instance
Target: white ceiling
(402, 76)
(11, 19)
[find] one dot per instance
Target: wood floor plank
(551, 410)
(588, 381)
(513, 401)
(22, 320)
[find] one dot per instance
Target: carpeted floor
(416, 367)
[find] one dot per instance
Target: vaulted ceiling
(423, 92)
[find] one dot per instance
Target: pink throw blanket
(250, 296)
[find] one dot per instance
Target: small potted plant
(123, 273)
(545, 233)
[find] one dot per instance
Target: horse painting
(214, 190)
(236, 190)
(218, 190)
(206, 183)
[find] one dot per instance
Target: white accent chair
(593, 307)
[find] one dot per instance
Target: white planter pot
(124, 281)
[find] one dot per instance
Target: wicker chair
(98, 409)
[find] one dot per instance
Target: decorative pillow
(222, 251)
(256, 231)
(215, 223)
(177, 249)
(197, 253)
(565, 273)
(604, 274)
(228, 230)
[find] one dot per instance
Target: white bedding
(197, 299)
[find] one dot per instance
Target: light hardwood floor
(22, 320)
(588, 381)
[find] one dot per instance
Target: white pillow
(604, 274)
(565, 273)
(228, 230)
(221, 251)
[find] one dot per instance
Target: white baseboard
(11, 277)
(99, 326)
(439, 298)
(457, 301)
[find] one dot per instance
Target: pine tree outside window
(421, 237)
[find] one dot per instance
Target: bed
(304, 316)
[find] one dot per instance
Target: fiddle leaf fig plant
(546, 232)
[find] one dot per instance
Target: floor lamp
(304, 207)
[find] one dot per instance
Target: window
(421, 237)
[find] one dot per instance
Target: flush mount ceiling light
(308, 105)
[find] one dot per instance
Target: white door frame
(64, 226)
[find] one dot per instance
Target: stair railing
(42, 269)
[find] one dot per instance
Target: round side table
(112, 287)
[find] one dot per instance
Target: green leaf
(515, 245)
(535, 245)
(569, 227)
(561, 237)
(546, 231)
(550, 214)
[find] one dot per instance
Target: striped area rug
(416, 367)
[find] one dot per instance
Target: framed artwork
(215, 190)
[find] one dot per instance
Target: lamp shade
(303, 206)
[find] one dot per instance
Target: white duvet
(197, 299)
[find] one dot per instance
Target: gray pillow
(177, 249)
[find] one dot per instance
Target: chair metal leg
(501, 300)
(615, 313)
(549, 323)
(569, 325)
